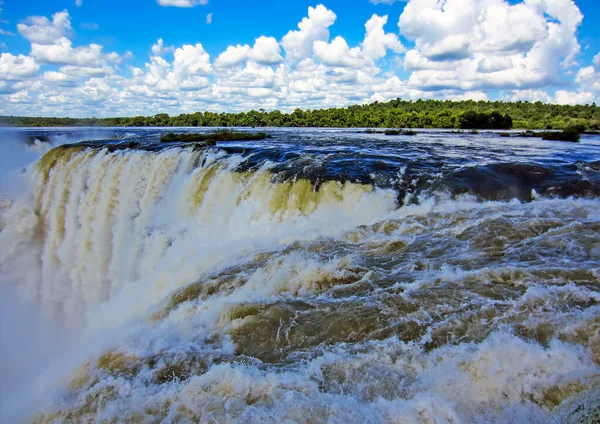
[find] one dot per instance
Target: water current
(321, 275)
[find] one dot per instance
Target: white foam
(109, 236)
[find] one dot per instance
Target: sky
(84, 58)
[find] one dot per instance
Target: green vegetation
(397, 113)
(400, 132)
(210, 139)
(568, 134)
(572, 134)
(485, 121)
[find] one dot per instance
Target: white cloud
(266, 50)
(188, 71)
(40, 30)
(588, 80)
(182, 3)
(596, 61)
(50, 45)
(254, 79)
(159, 48)
(191, 60)
(209, 18)
(455, 29)
(62, 52)
(586, 74)
(573, 98)
(494, 64)
(17, 67)
(338, 53)
(298, 44)
(87, 71)
(460, 49)
(61, 79)
(527, 95)
(377, 42)
(4, 32)
(234, 55)
(486, 44)
(78, 3)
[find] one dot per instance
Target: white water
(126, 224)
(100, 243)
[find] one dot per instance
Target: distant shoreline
(376, 130)
(395, 114)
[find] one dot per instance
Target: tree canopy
(393, 114)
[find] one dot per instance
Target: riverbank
(393, 114)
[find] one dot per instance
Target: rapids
(319, 276)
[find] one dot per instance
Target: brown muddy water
(321, 276)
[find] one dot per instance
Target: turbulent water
(318, 276)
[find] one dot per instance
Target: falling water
(304, 282)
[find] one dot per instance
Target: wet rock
(31, 140)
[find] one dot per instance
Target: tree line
(393, 114)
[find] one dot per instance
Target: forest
(393, 114)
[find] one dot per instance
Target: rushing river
(320, 275)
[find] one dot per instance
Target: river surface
(318, 276)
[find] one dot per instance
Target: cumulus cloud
(182, 3)
(40, 30)
(563, 97)
(78, 3)
(50, 45)
(159, 48)
(596, 61)
(266, 50)
(527, 95)
(458, 49)
(162, 79)
(233, 56)
(487, 44)
(209, 18)
(60, 79)
(298, 44)
(62, 52)
(338, 53)
(588, 80)
(494, 64)
(191, 60)
(377, 42)
(455, 29)
(17, 67)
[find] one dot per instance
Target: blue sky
(101, 58)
